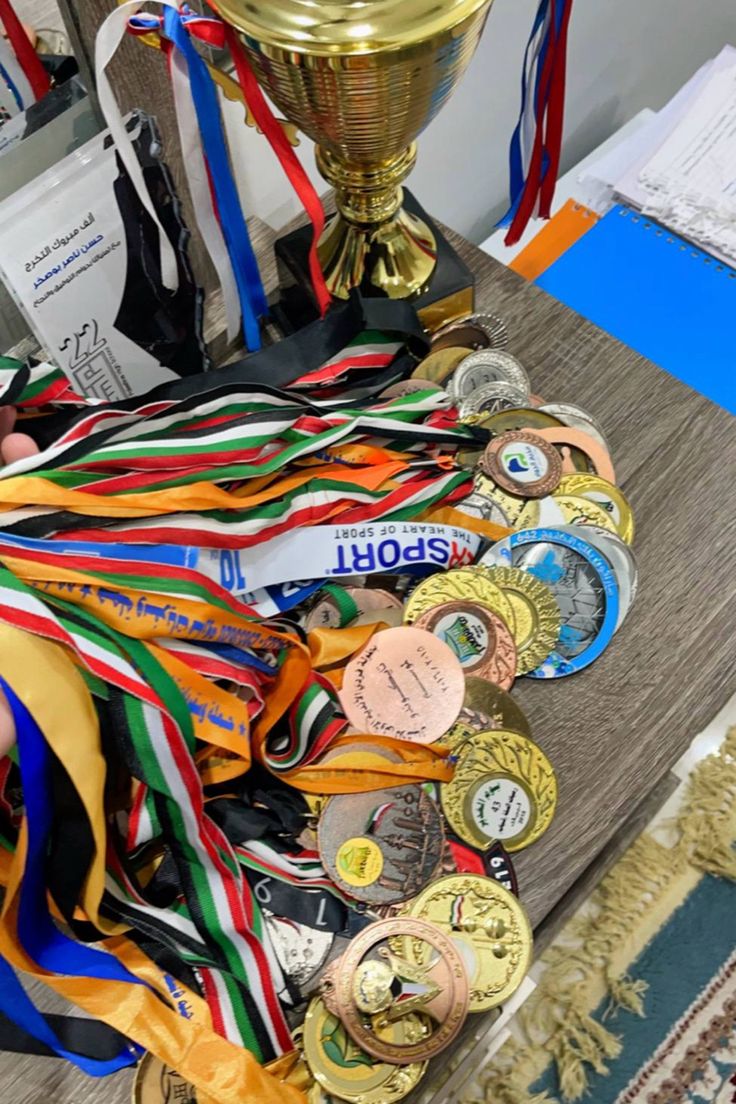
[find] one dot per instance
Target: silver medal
(492, 397)
(487, 366)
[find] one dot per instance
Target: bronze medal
(523, 463)
(460, 584)
(384, 846)
(404, 683)
(481, 640)
(364, 981)
(477, 331)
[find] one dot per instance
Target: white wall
(623, 55)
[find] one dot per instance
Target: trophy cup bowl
(363, 78)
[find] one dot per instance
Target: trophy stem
(372, 238)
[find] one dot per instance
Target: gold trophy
(363, 78)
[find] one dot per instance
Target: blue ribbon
(235, 232)
(12, 87)
(517, 181)
(37, 934)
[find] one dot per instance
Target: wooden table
(613, 731)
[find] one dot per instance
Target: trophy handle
(232, 91)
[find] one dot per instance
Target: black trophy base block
(450, 294)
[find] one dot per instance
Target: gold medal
(584, 511)
(461, 584)
(512, 505)
(440, 364)
(536, 615)
(504, 789)
(487, 706)
(490, 928)
(458, 734)
(343, 1070)
(606, 494)
(157, 1083)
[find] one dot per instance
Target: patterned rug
(636, 1001)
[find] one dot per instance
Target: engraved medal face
(488, 925)
(461, 584)
(536, 616)
(382, 847)
(523, 463)
(504, 788)
(487, 366)
(577, 589)
(489, 398)
(437, 988)
(480, 639)
(404, 683)
(583, 584)
(342, 1069)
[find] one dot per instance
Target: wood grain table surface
(614, 730)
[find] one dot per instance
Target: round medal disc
(484, 702)
(523, 463)
(504, 789)
(347, 1072)
(487, 919)
(404, 683)
(512, 505)
(408, 387)
(383, 846)
(481, 640)
(577, 418)
(568, 440)
(536, 616)
(489, 398)
(439, 365)
(608, 495)
(157, 1083)
(577, 510)
(481, 506)
(487, 366)
(539, 513)
(460, 584)
(477, 331)
(621, 558)
(516, 418)
(441, 988)
(583, 584)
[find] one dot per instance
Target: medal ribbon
(186, 1043)
(536, 142)
(290, 163)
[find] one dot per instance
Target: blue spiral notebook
(657, 293)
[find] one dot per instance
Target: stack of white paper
(680, 167)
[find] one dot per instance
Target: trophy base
(449, 293)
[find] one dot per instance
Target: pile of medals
(364, 770)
